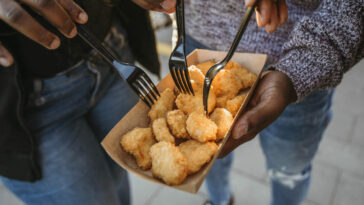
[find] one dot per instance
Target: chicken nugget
(196, 75)
(221, 101)
(223, 119)
(168, 163)
(234, 104)
(197, 154)
(163, 105)
(161, 131)
(189, 103)
(248, 80)
(204, 67)
(176, 120)
(245, 77)
(226, 84)
(138, 142)
(200, 127)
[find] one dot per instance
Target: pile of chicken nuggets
(181, 138)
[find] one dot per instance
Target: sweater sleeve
(323, 46)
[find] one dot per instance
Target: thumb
(249, 3)
(6, 59)
(254, 120)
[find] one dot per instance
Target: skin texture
(270, 13)
(138, 143)
(62, 14)
(273, 94)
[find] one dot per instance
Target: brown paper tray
(137, 117)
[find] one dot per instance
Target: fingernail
(55, 43)
(4, 61)
(242, 130)
(73, 32)
(82, 17)
(167, 4)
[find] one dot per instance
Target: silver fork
(177, 60)
(136, 78)
(212, 72)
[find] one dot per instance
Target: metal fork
(136, 78)
(212, 72)
(177, 60)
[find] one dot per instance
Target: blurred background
(338, 169)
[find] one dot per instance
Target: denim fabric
(289, 145)
(69, 115)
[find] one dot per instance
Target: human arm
(320, 49)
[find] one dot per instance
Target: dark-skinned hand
(62, 14)
(273, 94)
(270, 13)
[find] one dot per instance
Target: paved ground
(338, 171)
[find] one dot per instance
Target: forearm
(324, 46)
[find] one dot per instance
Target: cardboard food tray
(138, 117)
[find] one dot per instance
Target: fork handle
(239, 34)
(180, 18)
(95, 43)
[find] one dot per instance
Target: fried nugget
(248, 80)
(168, 163)
(221, 101)
(189, 103)
(196, 75)
(138, 142)
(197, 154)
(200, 127)
(245, 77)
(161, 131)
(176, 120)
(234, 104)
(223, 119)
(204, 67)
(163, 105)
(226, 84)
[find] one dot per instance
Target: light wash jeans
(289, 145)
(69, 115)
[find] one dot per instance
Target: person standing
(313, 44)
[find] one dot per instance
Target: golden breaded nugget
(204, 67)
(168, 163)
(234, 104)
(196, 75)
(176, 120)
(161, 131)
(189, 103)
(245, 77)
(226, 84)
(221, 101)
(223, 119)
(248, 80)
(197, 154)
(200, 127)
(163, 105)
(138, 142)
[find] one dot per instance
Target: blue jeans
(289, 145)
(69, 115)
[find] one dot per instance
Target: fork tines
(181, 78)
(145, 88)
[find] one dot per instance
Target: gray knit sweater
(321, 40)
